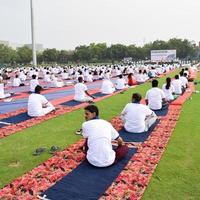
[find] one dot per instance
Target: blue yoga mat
(15, 119)
(161, 112)
(71, 103)
(136, 137)
(87, 182)
(99, 94)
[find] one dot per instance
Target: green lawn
(178, 173)
(16, 150)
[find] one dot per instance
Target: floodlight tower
(33, 35)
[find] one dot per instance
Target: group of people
(99, 133)
(137, 118)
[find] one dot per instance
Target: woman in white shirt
(168, 89)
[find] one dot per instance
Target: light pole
(33, 35)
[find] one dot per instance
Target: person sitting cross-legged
(81, 93)
(155, 97)
(99, 134)
(137, 117)
(38, 105)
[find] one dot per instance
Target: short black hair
(33, 76)
(154, 83)
(92, 109)
(176, 76)
(137, 97)
(120, 76)
(38, 89)
(80, 79)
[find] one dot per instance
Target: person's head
(185, 74)
(140, 71)
(80, 79)
(181, 73)
(120, 76)
(176, 76)
(136, 97)
(33, 76)
(154, 83)
(168, 82)
(16, 76)
(91, 112)
(130, 75)
(38, 89)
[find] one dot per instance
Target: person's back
(155, 96)
(80, 89)
(99, 133)
(16, 81)
(177, 83)
(35, 102)
(135, 117)
(33, 83)
(107, 87)
(168, 92)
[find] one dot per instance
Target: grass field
(177, 176)
(16, 150)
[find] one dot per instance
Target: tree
(50, 55)
(82, 53)
(24, 55)
(7, 54)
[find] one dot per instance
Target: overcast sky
(65, 24)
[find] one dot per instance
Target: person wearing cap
(38, 105)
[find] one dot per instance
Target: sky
(66, 24)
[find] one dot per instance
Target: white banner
(163, 55)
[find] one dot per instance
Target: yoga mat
(161, 112)
(71, 103)
(99, 94)
(136, 137)
(15, 119)
(87, 182)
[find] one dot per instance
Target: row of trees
(99, 52)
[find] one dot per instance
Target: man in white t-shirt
(155, 97)
(33, 83)
(178, 85)
(121, 83)
(107, 86)
(17, 82)
(2, 94)
(38, 105)
(99, 135)
(137, 117)
(81, 93)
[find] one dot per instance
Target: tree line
(98, 53)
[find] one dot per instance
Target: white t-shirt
(154, 97)
(134, 115)
(16, 82)
(35, 102)
(177, 83)
(168, 92)
(120, 84)
(2, 91)
(107, 87)
(33, 84)
(184, 81)
(80, 89)
(100, 133)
